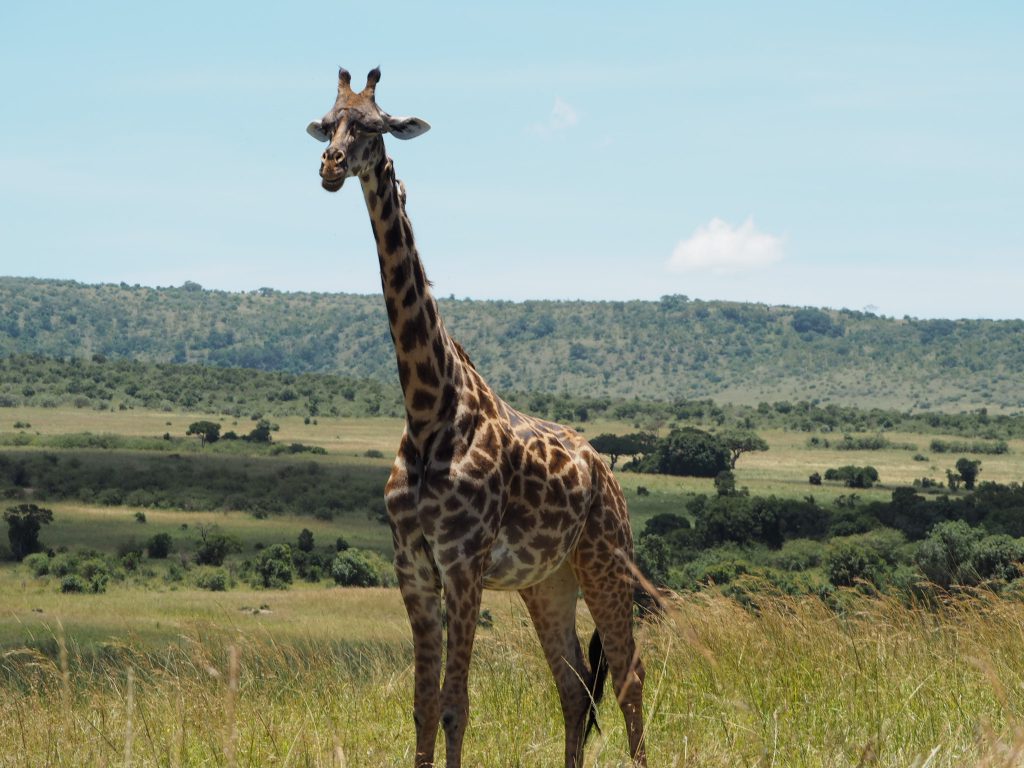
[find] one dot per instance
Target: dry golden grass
(337, 435)
(792, 684)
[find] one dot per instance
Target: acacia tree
(23, 524)
(208, 431)
(740, 441)
(614, 446)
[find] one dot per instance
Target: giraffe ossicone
(481, 495)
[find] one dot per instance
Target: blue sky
(860, 155)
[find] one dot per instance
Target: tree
(306, 540)
(740, 441)
(274, 567)
(969, 469)
(208, 431)
(23, 524)
(261, 434)
(689, 452)
(615, 446)
(159, 546)
(214, 546)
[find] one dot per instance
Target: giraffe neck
(429, 366)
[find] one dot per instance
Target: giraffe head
(353, 130)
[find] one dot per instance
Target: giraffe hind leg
(601, 566)
(552, 607)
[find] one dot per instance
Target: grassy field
(324, 679)
(142, 675)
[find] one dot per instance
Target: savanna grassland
(165, 666)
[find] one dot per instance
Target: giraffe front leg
(423, 604)
(463, 590)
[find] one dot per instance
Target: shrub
(996, 447)
(214, 547)
(653, 558)
(355, 568)
(848, 563)
(212, 579)
(73, 583)
(63, 564)
(997, 557)
(664, 523)
(799, 555)
(96, 572)
(853, 477)
(140, 517)
(38, 563)
(274, 567)
(130, 560)
(159, 546)
(945, 555)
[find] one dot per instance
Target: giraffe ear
(316, 130)
(406, 127)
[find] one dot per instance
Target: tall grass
(789, 683)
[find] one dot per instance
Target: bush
(997, 557)
(799, 555)
(63, 564)
(96, 572)
(38, 563)
(214, 547)
(653, 558)
(159, 546)
(356, 568)
(130, 560)
(274, 567)
(848, 563)
(212, 579)
(996, 447)
(853, 477)
(73, 583)
(945, 555)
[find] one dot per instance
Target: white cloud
(720, 248)
(562, 116)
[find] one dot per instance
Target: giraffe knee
(453, 722)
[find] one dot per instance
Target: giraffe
(481, 495)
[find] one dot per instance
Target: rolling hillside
(661, 350)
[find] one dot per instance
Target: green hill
(661, 350)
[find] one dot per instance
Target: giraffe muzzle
(331, 185)
(333, 170)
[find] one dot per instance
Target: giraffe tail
(598, 675)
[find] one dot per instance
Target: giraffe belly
(529, 559)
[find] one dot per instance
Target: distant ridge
(660, 350)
